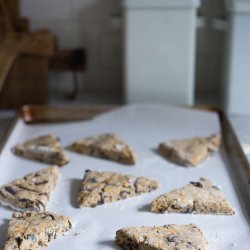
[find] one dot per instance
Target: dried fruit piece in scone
(107, 146)
(31, 192)
(32, 230)
(44, 148)
(190, 152)
(167, 237)
(103, 187)
(200, 197)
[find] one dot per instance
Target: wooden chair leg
(75, 91)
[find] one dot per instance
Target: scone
(32, 230)
(44, 148)
(104, 187)
(168, 237)
(31, 192)
(200, 197)
(190, 152)
(107, 146)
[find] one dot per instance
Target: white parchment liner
(143, 127)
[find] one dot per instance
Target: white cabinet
(160, 39)
(237, 74)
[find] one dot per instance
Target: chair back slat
(6, 25)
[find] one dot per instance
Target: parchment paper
(143, 127)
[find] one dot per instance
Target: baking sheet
(142, 127)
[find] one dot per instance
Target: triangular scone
(45, 149)
(103, 187)
(32, 230)
(107, 146)
(31, 192)
(166, 237)
(197, 197)
(190, 151)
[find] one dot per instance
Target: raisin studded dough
(44, 148)
(103, 187)
(107, 146)
(168, 237)
(31, 192)
(190, 152)
(197, 197)
(32, 230)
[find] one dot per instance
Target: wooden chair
(73, 60)
(6, 25)
(24, 63)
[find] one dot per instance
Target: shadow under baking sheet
(3, 232)
(168, 159)
(109, 244)
(74, 187)
(145, 208)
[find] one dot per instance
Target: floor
(84, 98)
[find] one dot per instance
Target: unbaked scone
(31, 192)
(200, 197)
(107, 146)
(46, 148)
(168, 237)
(32, 230)
(190, 152)
(98, 188)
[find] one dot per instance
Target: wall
(88, 23)
(92, 24)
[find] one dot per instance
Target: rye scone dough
(98, 188)
(46, 148)
(32, 192)
(168, 237)
(200, 197)
(190, 152)
(32, 230)
(107, 146)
